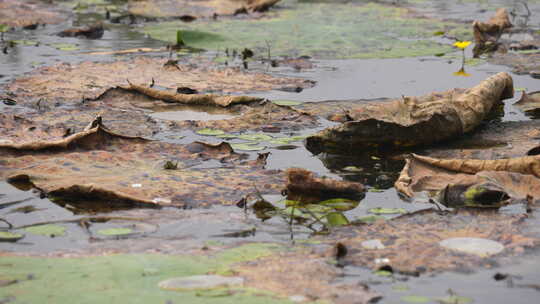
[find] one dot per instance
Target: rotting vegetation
(121, 160)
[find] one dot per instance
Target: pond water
(336, 79)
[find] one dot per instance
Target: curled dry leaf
(303, 186)
(487, 34)
(472, 182)
(97, 164)
(196, 99)
(529, 102)
(415, 121)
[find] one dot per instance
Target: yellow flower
(462, 44)
(462, 72)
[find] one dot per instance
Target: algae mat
(123, 278)
(322, 30)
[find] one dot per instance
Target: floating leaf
(255, 137)
(214, 293)
(47, 230)
(336, 219)
(295, 213)
(247, 147)
(415, 299)
(340, 204)
(453, 299)
(387, 210)
(477, 246)
(383, 273)
(400, 287)
(204, 282)
(6, 236)
(352, 169)
(210, 132)
(115, 231)
(438, 33)
(4, 28)
(227, 136)
(286, 102)
(25, 42)
(65, 46)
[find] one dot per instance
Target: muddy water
(336, 79)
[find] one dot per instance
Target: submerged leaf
(255, 137)
(454, 299)
(415, 299)
(200, 282)
(47, 230)
(380, 210)
(210, 132)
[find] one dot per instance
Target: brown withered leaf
(255, 116)
(496, 140)
(97, 164)
(91, 32)
(191, 99)
(17, 13)
(303, 273)
(529, 102)
(487, 34)
(88, 80)
(415, 121)
(520, 63)
(412, 241)
(305, 187)
(468, 179)
(197, 9)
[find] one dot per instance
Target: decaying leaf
(498, 141)
(89, 80)
(197, 9)
(303, 186)
(487, 34)
(529, 102)
(303, 273)
(196, 99)
(91, 32)
(97, 164)
(17, 13)
(472, 182)
(412, 241)
(414, 121)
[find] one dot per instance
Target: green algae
(124, 278)
(322, 30)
